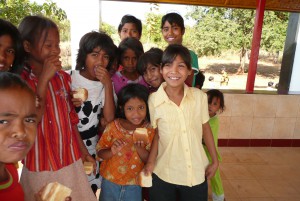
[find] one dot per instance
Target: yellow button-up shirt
(181, 158)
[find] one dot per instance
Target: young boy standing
(172, 27)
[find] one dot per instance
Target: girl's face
(129, 61)
(172, 33)
(175, 73)
(18, 124)
(153, 76)
(44, 48)
(7, 53)
(135, 110)
(129, 30)
(97, 58)
(214, 106)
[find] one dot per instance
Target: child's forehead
(173, 24)
(129, 24)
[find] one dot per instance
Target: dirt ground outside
(267, 73)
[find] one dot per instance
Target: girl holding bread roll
(94, 95)
(124, 146)
(58, 152)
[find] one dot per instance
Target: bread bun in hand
(140, 134)
(144, 180)
(88, 167)
(81, 93)
(55, 192)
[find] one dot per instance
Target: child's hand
(52, 64)
(211, 170)
(102, 75)
(77, 102)
(89, 158)
(117, 146)
(139, 144)
(148, 168)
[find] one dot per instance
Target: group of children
(127, 89)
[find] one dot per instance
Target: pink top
(120, 81)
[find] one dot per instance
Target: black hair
(7, 28)
(173, 18)
(199, 79)
(215, 93)
(93, 40)
(152, 56)
(33, 28)
(130, 43)
(172, 51)
(10, 80)
(132, 90)
(130, 19)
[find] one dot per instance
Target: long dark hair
(33, 28)
(7, 28)
(93, 40)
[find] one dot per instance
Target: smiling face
(18, 124)
(135, 110)
(172, 33)
(175, 73)
(97, 58)
(153, 76)
(129, 30)
(45, 48)
(7, 53)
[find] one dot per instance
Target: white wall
(84, 17)
(295, 81)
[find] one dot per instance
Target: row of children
(59, 146)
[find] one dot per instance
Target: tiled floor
(260, 173)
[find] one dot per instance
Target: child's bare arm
(209, 142)
(51, 66)
(109, 105)
(152, 155)
(110, 152)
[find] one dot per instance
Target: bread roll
(55, 192)
(141, 134)
(81, 93)
(88, 167)
(143, 180)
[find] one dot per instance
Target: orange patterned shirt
(123, 167)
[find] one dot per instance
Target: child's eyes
(3, 122)
(94, 54)
(129, 108)
(167, 65)
(142, 107)
(165, 29)
(106, 57)
(30, 120)
(10, 51)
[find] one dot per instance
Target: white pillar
(295, 81)
(84, 17)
